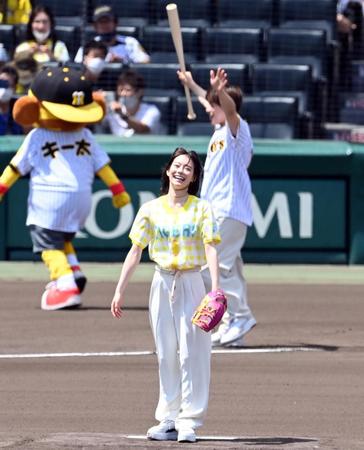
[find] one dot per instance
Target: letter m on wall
(278, 206)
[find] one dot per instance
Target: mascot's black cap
(66, 94)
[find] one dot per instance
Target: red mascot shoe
(53, 298)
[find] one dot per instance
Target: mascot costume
(61, 156)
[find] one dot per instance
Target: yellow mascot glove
(7, 179)
(120, 197)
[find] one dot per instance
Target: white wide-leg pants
(183, 349)
(232, 281)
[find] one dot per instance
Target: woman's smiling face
(181, 172)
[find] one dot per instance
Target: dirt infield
(68, 379)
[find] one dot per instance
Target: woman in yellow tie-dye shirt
(181, 233)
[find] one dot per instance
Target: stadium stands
(274, 117)
(160, 79)
(308, 14)
(192, 13)
(66, 12)
(8, 37)
(242, 14)
(234, 45)
(130, 12)
(166, 107)
(271, 48)
(157, 42)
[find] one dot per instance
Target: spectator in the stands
(41, 40)
(349, 15)
(125, 49)
(15, 11)
(4, 57)
(127, 113)
(27, 68)
(94, 59)
(349, 21)
(8, 82)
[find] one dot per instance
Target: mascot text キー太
(61, 156)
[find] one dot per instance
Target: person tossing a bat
(227, 186)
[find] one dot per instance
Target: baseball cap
(26, 66)
(103, 11)
(67, 94)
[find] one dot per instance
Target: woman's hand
(185, 78)
(116, 306)
(115, 106)
(218, 79)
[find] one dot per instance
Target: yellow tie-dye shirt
(176, 236)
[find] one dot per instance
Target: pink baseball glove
(210, 311)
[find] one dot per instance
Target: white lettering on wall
(278, 205)
(306, 215)
(126, 217)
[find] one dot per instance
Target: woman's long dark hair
(35, 11)
(194, 186)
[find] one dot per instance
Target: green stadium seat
(272, 117)
(66, 12)
(158, 43)
(109, 76)
(238, 74)
(130, 12)
(286, 46)
(8, 37)
(280, 80)
(160, 79)
(191, 13)
(245, 13)
(165, 105)
(70, 35)
(309, 14)
(234, 45)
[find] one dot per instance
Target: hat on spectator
(103, 11)
(26, 66)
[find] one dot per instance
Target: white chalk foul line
(148, 353)
(229, 438)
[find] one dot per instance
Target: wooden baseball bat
(175, 27)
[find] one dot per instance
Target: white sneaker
(238, 328)
(216, 337)
(186, 435)
(165, 431)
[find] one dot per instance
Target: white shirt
(62, 166)
(147, 114)
(342, 4)
(226, 183)
(126, 48)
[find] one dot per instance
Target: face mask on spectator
(6, 94)
(96, 65)
(107, 37)
(41, 36)
(130, 102)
